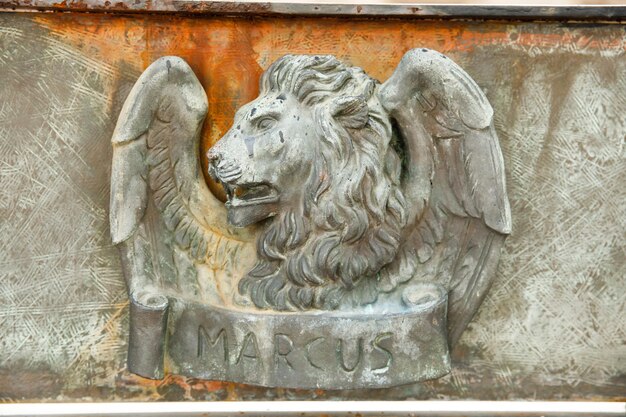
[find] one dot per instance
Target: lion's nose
(221, 168)
(214, 156)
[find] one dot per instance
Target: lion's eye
(266, 123)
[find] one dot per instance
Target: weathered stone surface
(363, 348)
(553, 318)
(365, 195)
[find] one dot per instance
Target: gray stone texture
(551, 327)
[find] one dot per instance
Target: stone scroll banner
(376, 347)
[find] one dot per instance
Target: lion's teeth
(229, 190)
(229, 176)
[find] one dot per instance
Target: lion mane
(348, 223)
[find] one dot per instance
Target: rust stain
(229, 54)
(89, 5)
(33, 383)
(221, 7)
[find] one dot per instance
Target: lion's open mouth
(249, 194)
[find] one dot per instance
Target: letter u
(341, 359)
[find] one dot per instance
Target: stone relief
(361, 230)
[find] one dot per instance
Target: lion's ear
(350, 111)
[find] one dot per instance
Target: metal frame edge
(423, 11)
(309, 408)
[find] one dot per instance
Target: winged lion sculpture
(342, 192)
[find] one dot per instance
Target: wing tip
(120, 234)
(124, 218)
(502, 221)
(429, 67)
(500, 226)
(139, 106)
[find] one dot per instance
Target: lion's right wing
(454, 179)
(156, 168)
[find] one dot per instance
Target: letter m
(206, 343)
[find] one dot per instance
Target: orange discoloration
(229, 54)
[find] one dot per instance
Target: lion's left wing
(454, 177)
(162, 214)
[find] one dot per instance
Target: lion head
(311, 157)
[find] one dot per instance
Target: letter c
(308, 346)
